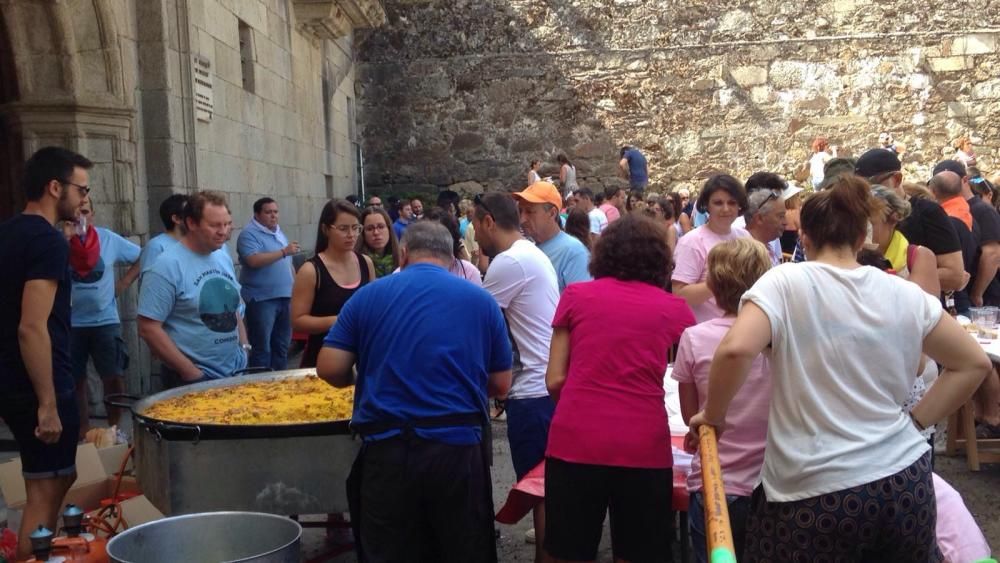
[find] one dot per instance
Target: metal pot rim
(227, 513)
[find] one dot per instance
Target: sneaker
(529, 536)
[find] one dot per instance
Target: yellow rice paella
(283, 401)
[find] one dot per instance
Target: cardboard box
(111, 459)
(94, 482)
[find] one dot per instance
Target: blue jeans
(269, 330)
(739, 508)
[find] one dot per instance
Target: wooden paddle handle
(718, 532)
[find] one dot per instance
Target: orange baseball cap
(540, 192)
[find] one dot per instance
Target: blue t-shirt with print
(432, 361)
(637, 168)
(94, 302)
(569, 257)
(269, 282)
(153, 249)
(197, 298)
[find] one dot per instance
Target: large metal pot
(279, 468)
(210, 538)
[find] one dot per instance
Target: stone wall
(466, 92)
(114, 80)
(287, 136)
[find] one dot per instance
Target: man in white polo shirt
(523, 282)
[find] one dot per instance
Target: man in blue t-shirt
(539, 208)
(171, 213)
(420, 404)
(189, 302)
(36, 381)
(267, 277)
(633, 168)
(97, 331)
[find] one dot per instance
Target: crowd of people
(561, 309)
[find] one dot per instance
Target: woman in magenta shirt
(609, 442)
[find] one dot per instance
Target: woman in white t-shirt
(845, 468)
(724, 199)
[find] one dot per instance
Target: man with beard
(36, 380)
(190, 311)
(97, 331)
(523, 282)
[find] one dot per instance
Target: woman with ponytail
(846, 472)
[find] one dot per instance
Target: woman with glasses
(378, 242)
(327, 280)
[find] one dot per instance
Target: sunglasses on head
(478, 200)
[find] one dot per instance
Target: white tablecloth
(672, 398)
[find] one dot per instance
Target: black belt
(472, 419)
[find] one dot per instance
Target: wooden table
(962, 424)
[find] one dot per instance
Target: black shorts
(40, 460)
(425, 501)
(577, 496)
(104, 345)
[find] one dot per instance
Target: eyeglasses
(373, 228)
(478, 200)
(344, 229)
(83, 189)
(375, 204)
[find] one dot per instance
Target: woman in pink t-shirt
(733, 267)
(724, 199)
(609, 441)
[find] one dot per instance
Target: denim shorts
(528, 431)
(40, 460)
(103, 344)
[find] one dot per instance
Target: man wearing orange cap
(538, 206)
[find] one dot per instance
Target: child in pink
(733, 266)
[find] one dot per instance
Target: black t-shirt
(928, 225)
(32, 249)
(968, 239)
(988, 220)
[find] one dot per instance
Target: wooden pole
(719, 534)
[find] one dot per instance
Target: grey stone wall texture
(463, 93)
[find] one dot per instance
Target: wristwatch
(246, 348)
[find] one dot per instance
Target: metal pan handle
(157, 429)
(252, 370)
(113, 400)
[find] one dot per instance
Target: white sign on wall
(204, 106)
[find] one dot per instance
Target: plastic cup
(984, 321)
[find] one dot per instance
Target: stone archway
(65, 57)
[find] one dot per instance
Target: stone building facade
(249, 97)
(479, 87)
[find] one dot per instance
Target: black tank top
(327, 301)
